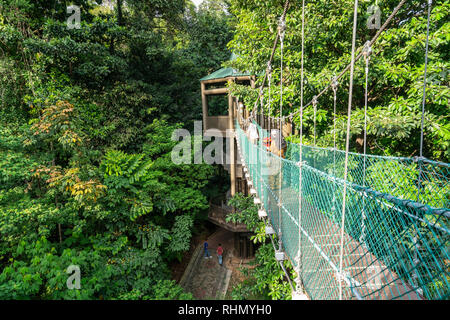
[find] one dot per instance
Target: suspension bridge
(353, 226)
(392, 247)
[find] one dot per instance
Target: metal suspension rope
(430, 2)
(366, 52)
(350, 95)
(261, 115)
(269, 71)
(275, 43)
(260, 150)
(282, 32)
(360, 54)
(314, 103)
(334, 86)
(420, 160)
(299, 262)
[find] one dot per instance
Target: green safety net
(396, 234)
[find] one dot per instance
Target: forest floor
(207, 279)
(237, 265)
(178, 267)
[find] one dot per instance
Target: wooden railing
(217, 215)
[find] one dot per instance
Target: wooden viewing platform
(217, 215)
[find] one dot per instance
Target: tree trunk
(60, 233)
(119, 12)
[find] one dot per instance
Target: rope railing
(359, 55)
(384, 266)
(353, 225)
(272, 54)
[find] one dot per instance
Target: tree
(86, 119)
(395, 76)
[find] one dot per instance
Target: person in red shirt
(219, 253)
(267, 142)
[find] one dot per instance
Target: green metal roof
(224, 73)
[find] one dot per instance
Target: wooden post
(236, 242)
(232, 145)
(253, 86)
(245, 249)
(204, 106)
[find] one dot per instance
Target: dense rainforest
(87, 115)
(86, 119)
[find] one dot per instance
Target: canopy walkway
(395, 239)
(354, 226)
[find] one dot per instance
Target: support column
(204, 106)
(236, 242)
(232, 145)
(253, 86)
(245, 248)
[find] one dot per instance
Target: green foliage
(169, 290)
(86, 119)
(180, 234)
(39, 270)
(248, 215)
(266, 278)
(395, 74)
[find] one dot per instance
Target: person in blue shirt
(205, 246)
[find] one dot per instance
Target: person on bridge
(277, 143)
(205, 247)
(219, 253)
(278, 147)
(252, 133)
(266, 143)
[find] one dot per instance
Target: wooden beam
(216, 91)
(204, 106)
(243, 78)
(223, 80)
(232, 144)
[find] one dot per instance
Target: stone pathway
(205, 278)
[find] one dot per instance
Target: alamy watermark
(74, 21)
(374, 19)
(213, 153)
(374, 280)
(74, 280)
